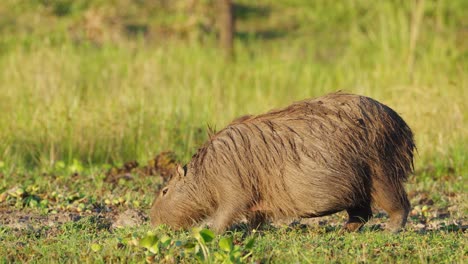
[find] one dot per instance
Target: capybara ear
(180, 172)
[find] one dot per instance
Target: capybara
(313, 158)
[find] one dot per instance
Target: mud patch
(37, 224)
(129, 218)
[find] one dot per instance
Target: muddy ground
(33, 222)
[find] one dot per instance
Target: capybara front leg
(358, 216)
(224, 218)
(220, 224)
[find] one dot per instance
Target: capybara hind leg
(358, 216)
(397, 220)
(256, 219)
(395, 202)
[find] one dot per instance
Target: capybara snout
(313, 158)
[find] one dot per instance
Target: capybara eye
(164, 191)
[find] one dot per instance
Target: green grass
(65, 99)
(87, 241)
(86, 85)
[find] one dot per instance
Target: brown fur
(312, 158)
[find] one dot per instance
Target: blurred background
(95, 82)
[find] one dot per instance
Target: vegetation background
(87, 85)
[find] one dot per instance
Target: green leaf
(196, 233)
(197, 250)
(219, 256)
(154, 248)
(250, 243)
(207, 235)
(189, 245)
(96, 247)
(19, 192)
(225, 244)
(165, 240)
(33, 203)
(148, 241)
(44, 203)
(76, 166)
(236, 254)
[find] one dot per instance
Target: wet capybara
(313, 158)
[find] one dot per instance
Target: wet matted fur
(313, 158)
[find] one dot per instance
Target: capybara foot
(358, 217)
(353, 227)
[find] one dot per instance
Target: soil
(27, 220)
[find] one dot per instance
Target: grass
(277, 246)
(88, 85)
(65, 100)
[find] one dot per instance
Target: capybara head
(174, 205)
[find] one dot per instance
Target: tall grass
(60, 100)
